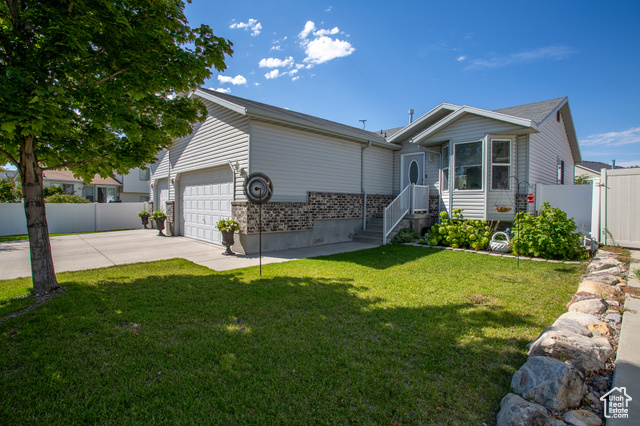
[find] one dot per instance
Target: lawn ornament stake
(258, 189)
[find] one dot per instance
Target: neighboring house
(135, 185)
(328, 176)
(101, 190)
(592, 169)
(10, 174)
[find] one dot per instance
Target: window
(144, 198)
(468, 165)
(560, 171)
(107, 194)
(414, 172)
(144, 174)
(88, 193)
(67, 188)
(500, 164)
(445, 168)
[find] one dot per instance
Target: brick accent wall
(521, 203)
(284, 217)
(434, 206)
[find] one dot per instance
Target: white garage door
(205, 199)
(162, 191)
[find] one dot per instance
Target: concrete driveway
(89, 251)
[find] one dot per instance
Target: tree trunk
(42, 272)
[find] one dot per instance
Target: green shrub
(9, 191)
(51, 190)
(405, 235)
(65, 198)
(550, 235)
(458, 232)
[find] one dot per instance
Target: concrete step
(370, 233)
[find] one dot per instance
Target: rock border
(570, 365)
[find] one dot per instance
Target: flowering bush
(228, 225)
(550, 235)
(458, 232)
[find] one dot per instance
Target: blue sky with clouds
(362, 60)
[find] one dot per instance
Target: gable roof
(536, 111)
(292, 118)
(65, 175)
(423, 122)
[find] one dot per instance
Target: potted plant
(159, 216)
(144, 215)
(227, 227)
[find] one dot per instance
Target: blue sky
(362, 60)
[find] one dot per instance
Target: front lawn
(391, 335)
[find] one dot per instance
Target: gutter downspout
(364, 192)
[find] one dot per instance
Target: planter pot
(499, 246)
(145, 221)
(227, 241)
(160, 226)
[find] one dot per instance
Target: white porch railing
(413, 198)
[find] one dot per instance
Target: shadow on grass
(384, 257)
(228, 348)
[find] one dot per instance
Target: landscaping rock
(591, 306)
(549, 382)
(572, 325)
(576, 350)
(602, 328)
(581, 318)
(580, 296)
(613, 304)
(601, 278)
(613, 318)
(616, 270)
(594, 287)
(600, 264)
(515, 411)
(599, 383)
(582, 418)
(604, 255)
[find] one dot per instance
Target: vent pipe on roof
(613, 166)
(411, 111)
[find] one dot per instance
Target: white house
(132, 187)
(328, 176)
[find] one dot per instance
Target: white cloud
(461, 58)
(272, 74)
(276, 63)
(321, 48)
(324, 49)
(625, 137)
(251, 24)
(276, 47)
(527, 56)
(297, 77)
(237, 80)
(308, 28)
(328, 10)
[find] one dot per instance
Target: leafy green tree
(9, 191)
(47, 191)
(582, 180)
(65, 198)
(95, 86)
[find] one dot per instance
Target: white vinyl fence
(69, 218)
(575, 200)
(620, 207)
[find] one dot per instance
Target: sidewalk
(89, 251)
(627, 371)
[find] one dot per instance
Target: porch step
(373, 233)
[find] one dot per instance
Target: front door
(412, 169)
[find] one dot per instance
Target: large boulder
(603, 328)
(576, 350)
(602, 254)
(572, 325)
(616, 270)
(590, 306)
(581, 318)
(515, 411)
(599, 264)
(549, 382)
(580, 296)
(601, 278)
(594, 287)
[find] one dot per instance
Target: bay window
(500, 164)
(468, 165)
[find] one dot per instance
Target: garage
(205, 198)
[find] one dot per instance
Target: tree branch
(65, 165)
(111, 76)
(10, 157)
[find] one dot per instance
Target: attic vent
(558, 116)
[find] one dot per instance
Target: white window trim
(510, 164)
(446, 147)
(482, 143)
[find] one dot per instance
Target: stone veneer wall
(286, 217)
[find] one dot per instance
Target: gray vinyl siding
(298, 162)
(378, 163)
(160, 169)
(471, 127)
(471, 203)
(545, 149)
(222, 137)
(522, 161)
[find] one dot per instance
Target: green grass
(394, 334)
(26, 237)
